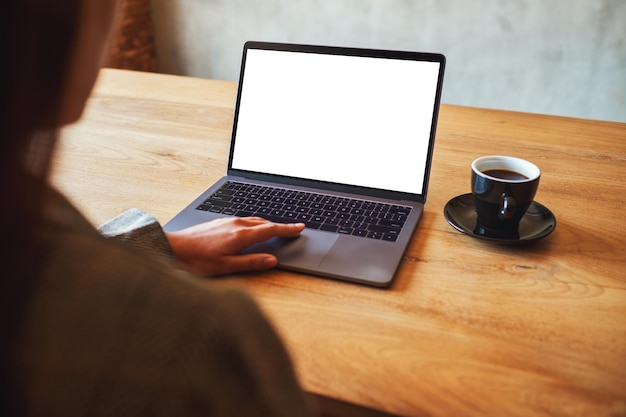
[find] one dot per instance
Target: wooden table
(469, 328)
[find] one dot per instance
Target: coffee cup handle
(507, 206)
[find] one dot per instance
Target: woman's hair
(36, 40)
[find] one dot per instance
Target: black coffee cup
(503, 189)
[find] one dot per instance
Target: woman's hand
(213, 248)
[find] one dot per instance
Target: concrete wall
(563, 57)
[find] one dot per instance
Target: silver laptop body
(355, 128)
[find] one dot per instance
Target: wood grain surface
(469, 328)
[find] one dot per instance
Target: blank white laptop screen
(344, 119)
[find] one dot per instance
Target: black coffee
(505, 174)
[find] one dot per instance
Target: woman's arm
(212, 248)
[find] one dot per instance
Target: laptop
(338, 138)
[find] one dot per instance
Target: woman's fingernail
(269, 262)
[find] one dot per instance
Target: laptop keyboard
(348, 216)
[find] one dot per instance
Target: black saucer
(537, 223)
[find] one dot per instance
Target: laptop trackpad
(306, 251)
